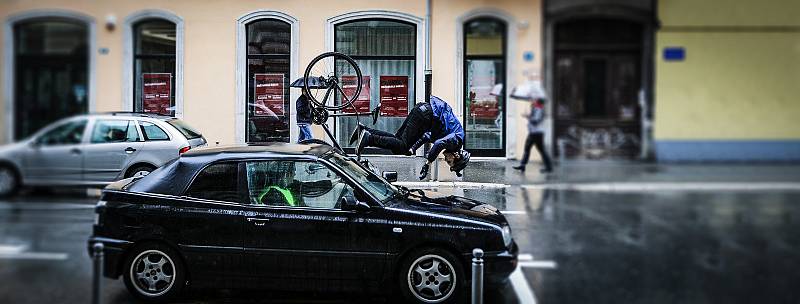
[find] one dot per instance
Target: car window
(295, 184)
(379, 187)
(185, 129)
(216, 182)
(68, 133)
(113, 131)
(152, 132)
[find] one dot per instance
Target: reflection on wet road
(604, 247)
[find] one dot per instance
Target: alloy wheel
(152, 273)
(431, 279)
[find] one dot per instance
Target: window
(185, 129)
(385, 50)
(51, 72)
(379, 187)
(295, 184)
(154, 58)
(152, 132)
(114, 131)
(268, 57)
(68, 133)
(217, 182)
(485, 85)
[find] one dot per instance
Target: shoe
(362, 141)
(546, 170)
(520, 168)
(356, 133)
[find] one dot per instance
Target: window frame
(249, 84)
(144, 134)
(503, 151)
(97, 121)
(135, 56)
(413, 58)
(243, 200)
(128, 80)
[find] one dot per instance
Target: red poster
(269, 95)
(349, 87)
(156, 93)
(394, 96)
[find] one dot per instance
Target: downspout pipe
(428, 68)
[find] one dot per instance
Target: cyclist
(427, 122)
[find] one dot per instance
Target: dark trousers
(418, 122)
(538, 140)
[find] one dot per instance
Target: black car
(294, 218)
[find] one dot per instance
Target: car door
(56, 156)
(211, 233)
(297, 236)
(113, 143)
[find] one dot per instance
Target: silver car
(94, 150)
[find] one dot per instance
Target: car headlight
(507, 238)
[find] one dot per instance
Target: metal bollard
(97, 258)
(477, 276)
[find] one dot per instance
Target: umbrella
(314, 83)
(529, 91)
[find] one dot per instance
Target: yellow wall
(210, 46)
(741, 76)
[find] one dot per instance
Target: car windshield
(185, 129)
(375, 184)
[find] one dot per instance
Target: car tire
(139, 170)
(431, 275)
(10, 181)
(154, 273)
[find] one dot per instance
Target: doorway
(51, 77)
(597, 81)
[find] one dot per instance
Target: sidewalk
(500, 171)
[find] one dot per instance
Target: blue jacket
(446, 132)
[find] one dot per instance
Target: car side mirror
(349, 203)
(390, 176)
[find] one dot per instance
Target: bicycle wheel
(331, 74)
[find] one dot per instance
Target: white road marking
(670, 186)
(12, 249)
(525, 257)
(53, 256)
(513, 212)
(521, 287)
(538, 264)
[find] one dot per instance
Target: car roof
(260, 149)
(175, 176)
(126, 115)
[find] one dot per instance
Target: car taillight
(184, 150)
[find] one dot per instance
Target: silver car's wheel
(152, 273)
(431, 278)
(8, 181)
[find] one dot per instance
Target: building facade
(626, 79)
(206, 62)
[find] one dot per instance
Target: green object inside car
(287, 195)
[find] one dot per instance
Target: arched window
(51, 72)
(386, 52)
(268, 65)
(485, 85)
(154, 66)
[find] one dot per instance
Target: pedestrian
(535, 137)
(303, 118)
(427, 122)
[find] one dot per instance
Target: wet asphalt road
(586, 247)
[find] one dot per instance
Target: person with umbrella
(303, 108)
(533, 92)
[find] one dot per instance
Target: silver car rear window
(185, 129)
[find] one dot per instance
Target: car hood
(450, 205)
